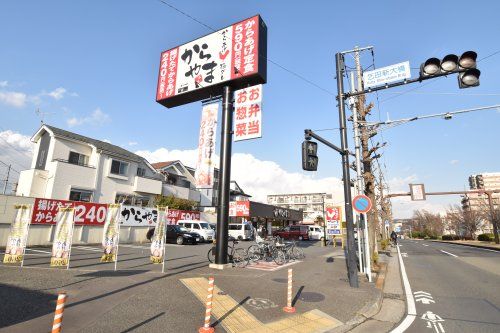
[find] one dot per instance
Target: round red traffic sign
(361, 203)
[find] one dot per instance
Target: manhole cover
(330, 259)
(281, 280)
(311, 297)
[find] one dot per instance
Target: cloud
(107, 140)
(57, 93)
(97, 118)
(4, 84)
(454, 162)
(132, 143)
(256, 177)
(16, 149)
(13, 98)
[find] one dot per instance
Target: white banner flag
(16, 243)
(111, 233)
(158, 239)
(206, 146)
(63, 237)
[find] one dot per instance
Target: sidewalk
(253, 300)
(483, 245)
(392, 310)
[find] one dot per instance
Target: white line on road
(38, 251)
(88, 248)
(451, 254)
(410, 302)
(425, 245)
(474, 247)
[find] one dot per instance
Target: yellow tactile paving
(238, 320)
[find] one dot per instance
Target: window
(78, 159)
(196, 226)
(141, 172)
(119, 167)
(187, 225)
(125, 199)
(80, 195)
(142, 201)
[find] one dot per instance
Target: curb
(470, 245)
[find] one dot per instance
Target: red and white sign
(333, 214)
(248, 113)
(204, 174)
(239, 208)
(86, 213)
(228, 54)
(174, 215)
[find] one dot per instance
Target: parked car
(177, 234)
(316, 232)
(241, 231)
(202, 228)
(300, 232)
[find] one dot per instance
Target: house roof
(100, 145)
(161, 165)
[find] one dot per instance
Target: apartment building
(311, 204)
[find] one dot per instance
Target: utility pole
(351, 251)
(6, 180)
(363, 226)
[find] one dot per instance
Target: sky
(91, 67)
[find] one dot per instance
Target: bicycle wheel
(211, 256)
(240, 257)
(254, 253)
(298, 253)
(279, 257)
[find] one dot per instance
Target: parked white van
(202, 228)
(241, 231)
(315, 232)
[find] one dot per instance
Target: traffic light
(309, 157)
(465, 66)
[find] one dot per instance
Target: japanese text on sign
(387, 74)
(204, 174)
(248, 113)
(45, 211)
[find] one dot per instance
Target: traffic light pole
(224, 177)
(351, 247)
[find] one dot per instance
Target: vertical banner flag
(248, 113)
(16, 243)
(206, 146)
(61, 248)
(110, 234)
(158, 239)
(333, 220)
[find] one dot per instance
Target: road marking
(451, 254)
(410, 302)
(423, 297)
(425, 245)
(474, 247)
(433, 321)
(38, 251)
(404, 254)
(88, 248)
(238, 319)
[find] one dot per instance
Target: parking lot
(138, 297)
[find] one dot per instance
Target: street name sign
(361, 203)
(387, 74)
(417, 192)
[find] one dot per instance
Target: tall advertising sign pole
(351, 251)
(224, 177)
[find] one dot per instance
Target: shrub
(384, 243)
(375, 257)
(447, 237)
(426, 237)
(485, 237)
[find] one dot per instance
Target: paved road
(456, 288)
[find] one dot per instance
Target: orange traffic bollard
(289, 308)
(208, 312)
(57, 324)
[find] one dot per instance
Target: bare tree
(428, 223)
(464, 221)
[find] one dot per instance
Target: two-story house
(70, 166)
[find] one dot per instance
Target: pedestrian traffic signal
(465, 66)
(309, 157)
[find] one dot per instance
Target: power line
(11, 168)
(299, 76)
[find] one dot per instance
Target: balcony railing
(79, 164)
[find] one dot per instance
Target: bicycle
(266, 250)
(236, 255)
(293, 251)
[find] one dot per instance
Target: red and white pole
(208, 312)
(289, 308)
(57, 324)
